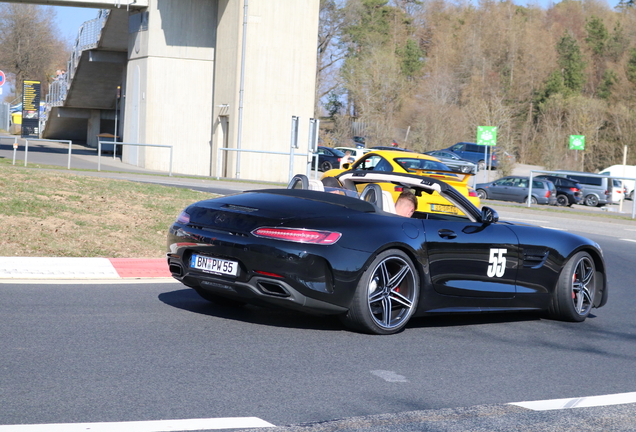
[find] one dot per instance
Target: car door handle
(447, 234)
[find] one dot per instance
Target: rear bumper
(255, 289)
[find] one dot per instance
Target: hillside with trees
(427, 73)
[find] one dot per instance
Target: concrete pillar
(93, 128)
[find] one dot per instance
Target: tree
(412, 59)
(631, 67)
(597, 35)
(605, 87)
(331, 50)
(571, 63)
(29, 46)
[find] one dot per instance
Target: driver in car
(406, 204)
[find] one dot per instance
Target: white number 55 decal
(497, 262)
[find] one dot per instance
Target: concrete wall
(183, 80)
(280, 65)
(169, 85)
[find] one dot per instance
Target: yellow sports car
(412, 163)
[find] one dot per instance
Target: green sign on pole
(487, 135)
(577, 142)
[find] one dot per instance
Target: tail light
(398, 189)
(547, 194)
(183, 218)
(472, 193)
(298, 235)
(573, 189)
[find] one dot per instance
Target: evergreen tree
(608, 81)
(631, 67)
(597, 35)
(571, 63)
(412, 59)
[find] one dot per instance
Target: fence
(115, 144)
(290, 153)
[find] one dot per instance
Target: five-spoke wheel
(574, 296)
(386, 296)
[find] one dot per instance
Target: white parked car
(619, 191)
(356, 153)
(619, 171)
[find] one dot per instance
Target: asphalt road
(105, 352)
(87, 352)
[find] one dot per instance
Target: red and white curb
(82, 268)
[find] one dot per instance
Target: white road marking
(144, 426)
(582, 402)
(389, 376)
(553, 228)
(57, 268)
(120, 281)
(526, 220)
(630, 240)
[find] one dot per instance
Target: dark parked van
(475, 153)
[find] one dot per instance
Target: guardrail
(26, 149)
(578, 173)
(15, 145)
(291, 155)
(115, 144)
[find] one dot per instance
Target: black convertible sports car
(334, 253)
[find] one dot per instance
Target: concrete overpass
(189, 79)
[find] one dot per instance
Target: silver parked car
(453, 161)
(515, 188)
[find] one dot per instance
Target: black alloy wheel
(574, 296)
(386, 296)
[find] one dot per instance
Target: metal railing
(88, 37)
(26, 148)
(115, 144)
(290, 153)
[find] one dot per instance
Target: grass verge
(58, 214)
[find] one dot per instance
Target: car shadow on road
(460, 320)
(189, 300)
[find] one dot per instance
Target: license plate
(214, 265)
(442, 208)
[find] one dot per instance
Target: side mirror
(489, 215)
(346, 166)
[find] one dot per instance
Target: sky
(69, 19)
